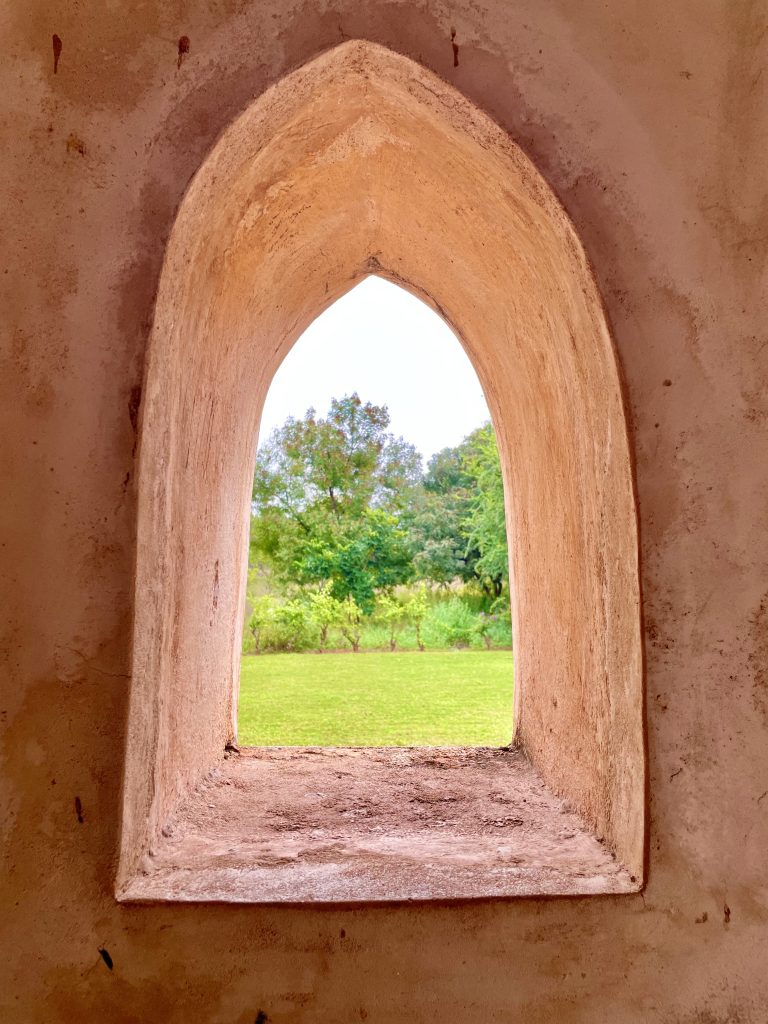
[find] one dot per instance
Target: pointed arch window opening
(361, 162)
(384, 348)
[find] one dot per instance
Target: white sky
(393, 350)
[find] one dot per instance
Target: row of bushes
(414, 620)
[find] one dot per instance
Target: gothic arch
(363, 162)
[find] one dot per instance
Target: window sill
(350, 825)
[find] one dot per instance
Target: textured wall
(649, 123)
(362, 159)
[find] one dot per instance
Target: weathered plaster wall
(649, 123)
(361, 160)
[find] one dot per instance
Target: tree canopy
(339, 502)
(328, 501)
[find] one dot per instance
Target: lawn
(408, 698)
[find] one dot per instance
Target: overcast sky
(386, 345)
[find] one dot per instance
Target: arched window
(362, 162)
(377, 528)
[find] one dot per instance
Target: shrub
(451, 624)
(325, 611)
(292, 628)
(259, 619)
(351, 624)
(374, 636)
(500, 629)
(416, 609)
(280, 627)
(483, 624)
(391, 614)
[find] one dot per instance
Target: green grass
(426, 698)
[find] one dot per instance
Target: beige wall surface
(363, 160)
(649, 123)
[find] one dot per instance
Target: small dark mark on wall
(134, 401)
(261, 1018)
(667, 383)
(342, 934)
(455, 46)
(762, 796)
(57, 44)
(79, 810)
(726, 914)
(75, 145)
(231, 748)
(703, 919)
(183, 50)
(106, 957)
(675, 774)
(216, 585)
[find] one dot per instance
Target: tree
(329, 497)
(358, 558)
(435, 523)
(485, 526)
(261, 616)
(455, 528)
(416, 609)
(392, 613)
(351, 623)
(325, 611)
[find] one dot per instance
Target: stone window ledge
(348, 825)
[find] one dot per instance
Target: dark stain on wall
(104, 954)
(134, 403)
(57, 46)
(183, 50)
(75, 144)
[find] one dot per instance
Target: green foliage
(278, 626)
(351, 624)
(360, 545)
(457, 526)
(361, 557)
(451, 623)
(325, 611)
(416, 609)
(328, 497)
(440, 508)
(292, 628)
(392, 613)
(485, 527)
(414, 618)
(261, 615)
